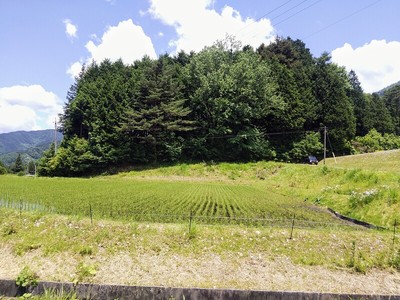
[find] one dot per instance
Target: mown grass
(384, 161)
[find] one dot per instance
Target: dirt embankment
(255, 271)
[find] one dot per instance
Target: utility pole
(324, 144)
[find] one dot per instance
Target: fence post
(190, 221)
(291, 232)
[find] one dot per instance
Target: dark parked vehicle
(312, 160)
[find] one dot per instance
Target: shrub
(374, 141)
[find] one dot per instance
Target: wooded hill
(225, 103)
(29, 144)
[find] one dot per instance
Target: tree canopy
(225, 103)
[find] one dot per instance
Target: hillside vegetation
(227, 103)
(261, 225)
(30, 144)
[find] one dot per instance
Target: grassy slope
(72, 249)
(232, 256)
(366, 187)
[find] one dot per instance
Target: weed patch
(27, 278)
(85, 272)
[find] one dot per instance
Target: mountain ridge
(30, 144)
(382, 91)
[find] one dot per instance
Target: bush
(374, 141)
(3, 169)
(310, 144)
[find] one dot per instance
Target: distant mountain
(30, 144)
(382, 91)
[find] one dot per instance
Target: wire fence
(191, 218)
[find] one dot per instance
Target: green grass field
(123, 198)
(237, 217)
(366, 187)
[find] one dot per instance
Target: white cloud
(126, 41)
(70, 29)
(197, 25)
(376, 64)
(75, 69)
(27, 108)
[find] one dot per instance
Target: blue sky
(45, 42)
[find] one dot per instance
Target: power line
(293, 7)
(341, 20)
(297, 12)
(281, 14)
(262, 134)
(264, 15)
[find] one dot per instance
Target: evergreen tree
(232, 95)
(158, 112)
(377, 115)
(219, 104)
(18, 165)
(292, 65)
(45, 166)
(356, 94)
(336, 108)
(392, 102)
(31, 168)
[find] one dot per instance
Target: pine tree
(18, 166)
(159, 112)
(336, 108)
(392, 101)
(356, 94)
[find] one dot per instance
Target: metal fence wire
(135, 216)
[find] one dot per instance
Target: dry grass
(257, 271)
(232, 257)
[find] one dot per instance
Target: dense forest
(226, 103)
